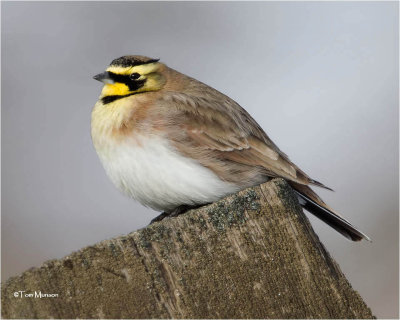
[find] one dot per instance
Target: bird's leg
(176, 212)
(159, 217)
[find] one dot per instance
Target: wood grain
(251, 255)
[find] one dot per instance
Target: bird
(172, 142)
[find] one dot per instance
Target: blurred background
(320, 77)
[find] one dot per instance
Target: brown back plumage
(208, 126)
(211, 128)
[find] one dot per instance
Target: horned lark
(170, 141)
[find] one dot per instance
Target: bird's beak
(104, 77)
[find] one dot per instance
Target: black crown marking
(131, 61)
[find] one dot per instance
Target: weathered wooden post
(251, 255)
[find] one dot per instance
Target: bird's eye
(134, 76)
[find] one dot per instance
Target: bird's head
(129, 75)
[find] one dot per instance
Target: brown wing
(211, 128)
(217, 132)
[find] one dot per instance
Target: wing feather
(211, 130)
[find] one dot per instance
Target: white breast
(157, 176)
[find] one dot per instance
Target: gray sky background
(320, 78)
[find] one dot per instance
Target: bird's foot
(176, 212)
(159, 217)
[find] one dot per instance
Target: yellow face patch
(115, 89)
(121, 84)
(120, 70)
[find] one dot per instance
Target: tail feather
(319, 184)
(310, 201)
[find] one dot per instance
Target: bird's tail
(310, 201)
